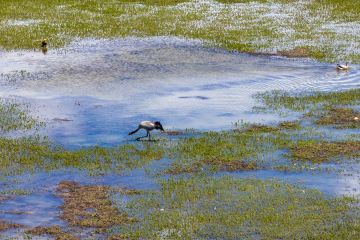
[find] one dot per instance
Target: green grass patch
(292, 28)
(306, 102)
(233, 150)
(15, 116)
(156, 2)
(34, 153)
(340, 118)
(17, 191)
(228, 208)
(318, 151)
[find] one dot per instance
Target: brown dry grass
(341, 118)
(296, 52)
(89, 206)
(217, 163)
(53, 231)
(324, 151)
(6, 225)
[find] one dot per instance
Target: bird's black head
(159, 126)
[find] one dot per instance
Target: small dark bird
(148, 126)
(44, 43)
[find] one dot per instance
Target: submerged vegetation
(317, 151)
(15, 116)
(212, 208)
(34, 153)
(306, 102)
(246, 147)
(198, 204)
(53, 231)
(284, 27)
(6, 225)
(340, 118)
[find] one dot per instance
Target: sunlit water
(104, 88)
(107, 87)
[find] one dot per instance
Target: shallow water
(40, 206)
(331, 184)
(106, 87)
(95, 91)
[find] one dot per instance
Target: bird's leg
(130, 133)
(149, 135)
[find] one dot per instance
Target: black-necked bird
(148, 126)
(342, 66)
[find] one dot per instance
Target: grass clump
(35, 153)
(89, 206)
(228, 208)
(289, 125)
(14, 116)
(156, 2)
(305, 102)
(17, 191)
(318, 151)
(260, 128)
(227, 150)
(4, 226)
(296, 52)
(340, 118)
(53, 231)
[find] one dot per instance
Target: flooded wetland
(261, 135)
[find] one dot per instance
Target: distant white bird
(148, 126)
(342, 66)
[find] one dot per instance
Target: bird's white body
(342, 67)
(148, 126)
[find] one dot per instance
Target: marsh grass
(276, 27)
(15, 116)
(227, 150)
(6, 225)
(203, 207)
(306, 102)
(340, 118)
(199, 205)
(156, 2)
(16, 191)
(246, 147)
(52, 231)
(318, 151)
(35, 153)
(90, 206)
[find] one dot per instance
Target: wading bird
(44, 43)
(342, 66)
(148, 126)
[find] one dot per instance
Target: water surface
(106, 87)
